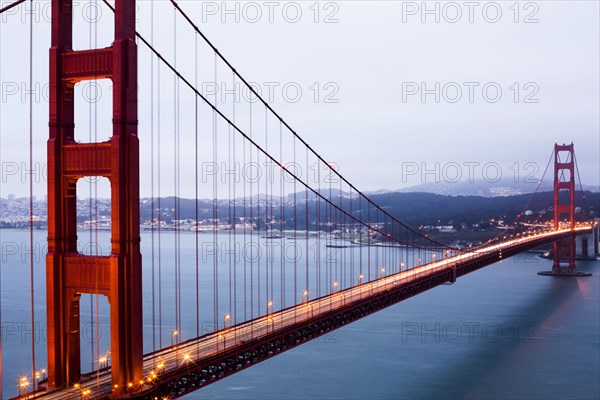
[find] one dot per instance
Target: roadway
(193, 351)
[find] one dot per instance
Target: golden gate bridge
(261, 307)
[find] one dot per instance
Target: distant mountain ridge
(503, 187)
(415, 209)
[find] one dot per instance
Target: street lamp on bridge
(23, 385)
(269, 319)
(174, 333)
(39, 375)
(334, 285)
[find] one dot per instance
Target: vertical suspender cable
(175, 226)
(318, 227)
(351, 232)
(97, 295)
(178, 208)
(215, 211)
(196, 187)
(369, 234)
(331, 253)
(258, 242)
(328, 218)
(250, 152)
(96, 237)
(271, 177)
(31, 275)
(360, 244)
(266, 217)
(306, 222)
(175, 176)
(229, 217)
(235, 177)
(245, 228)
(341, 229)
(91, 206)
(295, 231)
(282, 218)
(318, 231)
(152, 166)
(231, 222)
(230, 250)
(1, 338)
(159, 208)
(378, 248)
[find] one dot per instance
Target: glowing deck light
(268, 305)
(174, 333)
(23, 382)
(305, 296)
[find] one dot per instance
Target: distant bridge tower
(564, 204)
(68, 273)
(564, 210)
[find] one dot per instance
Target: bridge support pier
(564, 212)
(564, 271)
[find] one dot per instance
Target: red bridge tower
(564, 204)
(70, 274)
(564, 210)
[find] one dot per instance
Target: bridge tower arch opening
(70, 273)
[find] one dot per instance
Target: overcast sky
(502, 83)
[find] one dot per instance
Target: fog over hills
(502, 187)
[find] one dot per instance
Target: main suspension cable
(294, 133)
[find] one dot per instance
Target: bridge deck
(176, 371)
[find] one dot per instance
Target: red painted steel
(70, 274)
(564, 180)
(118, 276)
